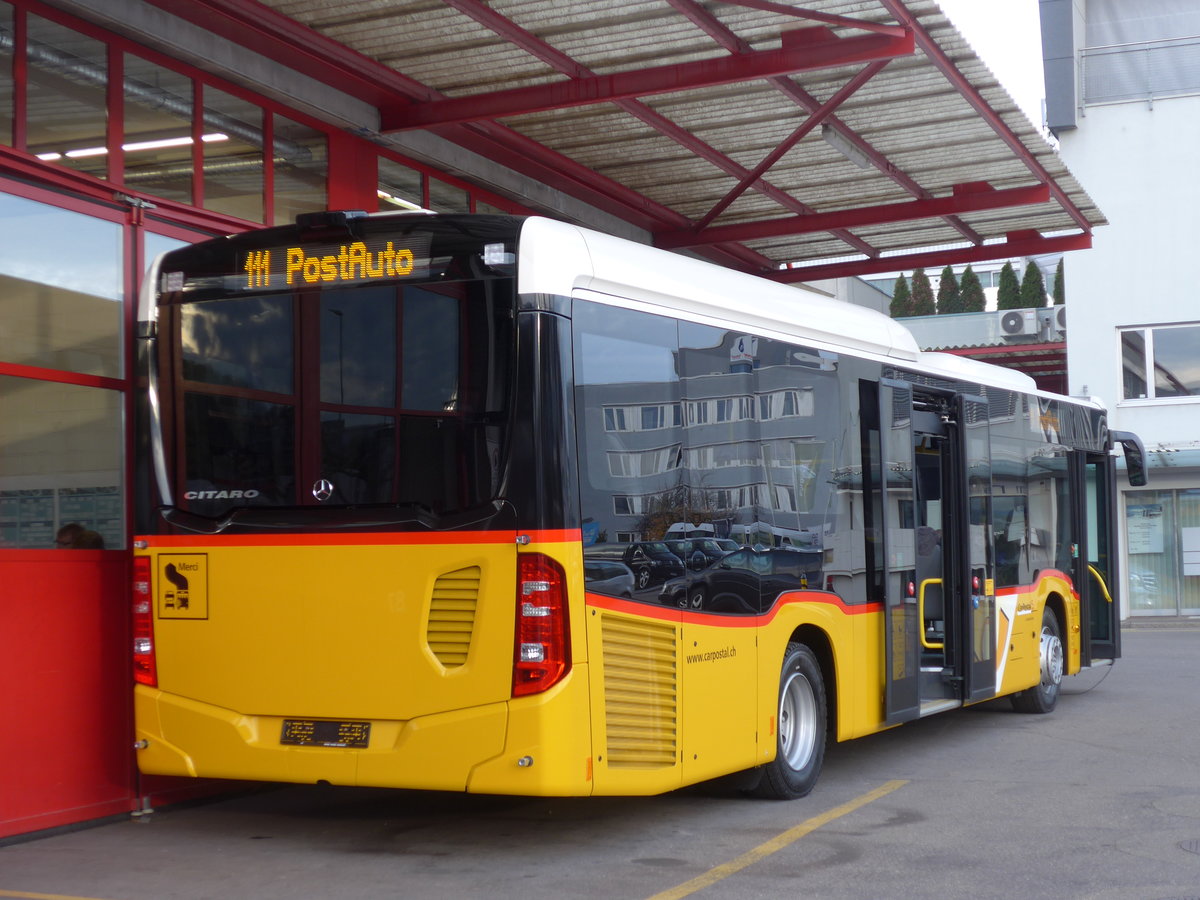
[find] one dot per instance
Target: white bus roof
(557, 258)
(563, 259)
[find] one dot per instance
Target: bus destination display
(353, 262)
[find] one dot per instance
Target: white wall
(1139, 163)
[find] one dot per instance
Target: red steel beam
(555, 58)
(1018, 244)
(816, 16)
(264, 30)
(971, 94)
(961, 201)
(794, 56)
(714, 28)
(252, 25)
(843, 93)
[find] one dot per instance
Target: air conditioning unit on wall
(1016, 322)
(1053, 322)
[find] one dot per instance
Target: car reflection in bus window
(745, 582)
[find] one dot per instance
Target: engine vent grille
(640, 693)
(452, 615)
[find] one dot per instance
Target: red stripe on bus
(729, 620)
(1042, 576)
(360, 539)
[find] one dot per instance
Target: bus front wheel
(1043, 696)
(800, 728)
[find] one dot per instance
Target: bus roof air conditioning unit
(1016, 322)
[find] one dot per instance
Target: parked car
(608, 577)
(747, 581)
(651, 562)
(699, 553)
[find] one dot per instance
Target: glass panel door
(1150, 528)
(1095, 575)
(1189, 532)
(980, 588)
(903, 700)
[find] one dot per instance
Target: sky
(1006, 34)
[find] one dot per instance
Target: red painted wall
(65, 688)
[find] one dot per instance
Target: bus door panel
(1093, 480)
(895, 484)
(718, 700)
(980, 590)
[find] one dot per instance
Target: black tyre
(800, 730)
(1043, 697)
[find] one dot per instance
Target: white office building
(1123, 99)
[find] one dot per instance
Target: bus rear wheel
(1043, 697)
(800, 728)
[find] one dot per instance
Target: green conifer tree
(971, 291)
(1009, 296)
(901, 299)
(1033, 287)
(1060, 287)
(949, 296)
(922, 295)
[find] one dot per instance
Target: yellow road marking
(777, 843)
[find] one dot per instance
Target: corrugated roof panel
(684, 151)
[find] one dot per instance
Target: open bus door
(939, 610)
(1093, 482)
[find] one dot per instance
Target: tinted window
(358, 346)
(630, 432)
(431, 350)
(358, 455)
(244, 343)
(240, 452)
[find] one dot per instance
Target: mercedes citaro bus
(379, 448)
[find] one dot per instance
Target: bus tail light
(145, 668)
(542, 640)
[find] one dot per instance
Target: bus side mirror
(1135, 456)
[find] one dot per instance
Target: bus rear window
(343, 397)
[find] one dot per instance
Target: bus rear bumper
(436, 752)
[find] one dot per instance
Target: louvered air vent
(452, 616)
(640, 696)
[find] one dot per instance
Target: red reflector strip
(145, 666)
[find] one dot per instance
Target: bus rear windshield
(358, 393)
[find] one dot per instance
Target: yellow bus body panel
(1019, 628)
(411, 640)
(414, 640)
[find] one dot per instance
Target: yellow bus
(502, 505)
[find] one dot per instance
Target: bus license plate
(323, 733)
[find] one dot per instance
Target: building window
(1160, 363)
(446, 198)
(60, 310)
(232, 141)
(301, 169)
(66, 103)
(6, 75)
(646, 462)
(642, 418)
(60, 462)
(399, 186)
(157, 140)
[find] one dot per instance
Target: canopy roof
(711, 125)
